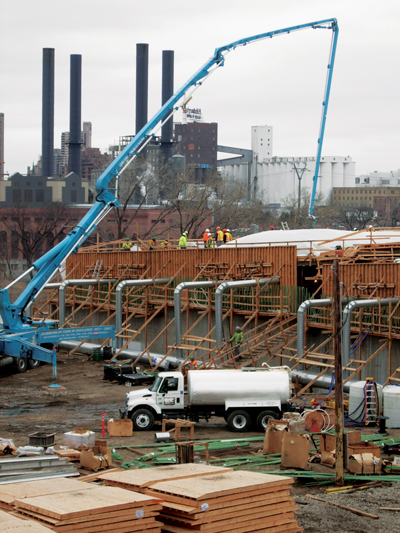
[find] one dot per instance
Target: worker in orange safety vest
(228, 235)
(205, 237)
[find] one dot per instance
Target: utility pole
(337, 351)
(299, 176)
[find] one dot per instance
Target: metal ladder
(97, 268)
(285, 226)
(371, 406)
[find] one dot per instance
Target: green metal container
(96, 355)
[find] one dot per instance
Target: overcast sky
(279, 82)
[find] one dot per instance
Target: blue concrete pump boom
(18, 337)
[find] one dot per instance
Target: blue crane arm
(45, 267)
(331, 62)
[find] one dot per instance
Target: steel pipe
(61, 295)
(177, 306)
(301, 318)
(233, 285)
(356, 304)
(118, 300)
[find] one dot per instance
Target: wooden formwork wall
(234, 263)
(379, 280)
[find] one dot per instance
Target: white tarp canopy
(317, 239)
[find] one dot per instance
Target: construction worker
(126, 246)
(228, 235)
(219, 237)
(152, 243)
(165, 243)
(193, 363)
(210, 242)
(237, 339)
(224, 234)
(183, 240)
(272, 227)
(205, 237)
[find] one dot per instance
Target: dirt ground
(26, 408)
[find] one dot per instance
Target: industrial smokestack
(75, 113)
(167, 92)
(142, 84)
(48, 113)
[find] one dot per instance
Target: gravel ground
(319, 517)
(26, 408)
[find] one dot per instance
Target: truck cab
(164, 398)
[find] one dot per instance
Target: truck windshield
(156, 384)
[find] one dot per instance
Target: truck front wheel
(262, 419)
(239, 421)
(142, 419)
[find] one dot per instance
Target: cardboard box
(98, 458)
(327, 445)
(297, 424)
(79, 437)
(364, 463)
(122, 427)
(295, 450)
(364, 447)
(273, 435)
(328, 458)
(389, 467)
(273, 440)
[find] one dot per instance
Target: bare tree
(34, 231)
(350, 218)
(137, 186)
(298, 218)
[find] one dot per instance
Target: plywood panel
(138, 479)
(12, 524)
(85, 502)
(14, 491)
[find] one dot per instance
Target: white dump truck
(243, 397)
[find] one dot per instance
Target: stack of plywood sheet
(214, 499)
(100, 509)
(139, 480)
(234, 502)
(13, 524)
(27, 489)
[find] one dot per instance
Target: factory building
(273, 178)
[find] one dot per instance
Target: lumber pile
(214, 499)
(13, 524)
(234, 502)
(96, 510)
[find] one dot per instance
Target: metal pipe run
(301, 319)
(324, 382)
(61, 293)
(356, 304)
(177, 305)
(233, 285)
(88, 347)
(118, 300)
